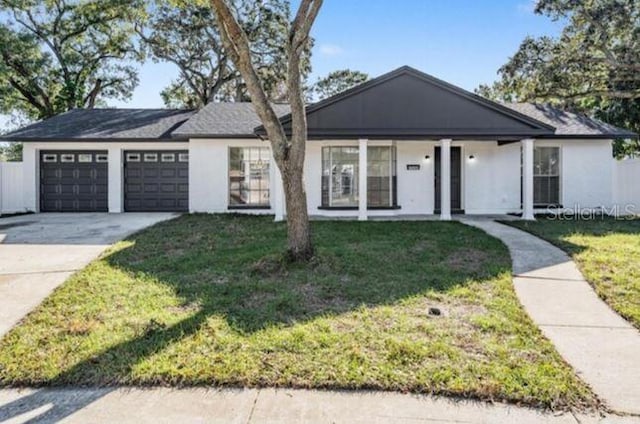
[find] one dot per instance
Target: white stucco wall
(209, 174)
(586, 173)
(31, 169)
(490, 182)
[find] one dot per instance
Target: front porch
(413, 179)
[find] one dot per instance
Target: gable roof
(104, 124)
(404, 103)
(225, 120)
(407, 103)
(569, 124)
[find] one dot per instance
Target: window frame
(167, 157)
(558, 175)
(326, 188)
(64, 158)
(264, 156)
(85, 155)
(150, 157)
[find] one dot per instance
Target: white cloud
(330, 50)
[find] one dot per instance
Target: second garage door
(156, 181)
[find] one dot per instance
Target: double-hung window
(546, 176)
(340, 176)
(249, 177)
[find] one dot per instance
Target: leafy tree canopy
(56, 55)
(185, 33)
(592, 67)
(337, 82)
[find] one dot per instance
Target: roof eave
(90, 140)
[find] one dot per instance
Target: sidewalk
(161, 405)
(603, 348)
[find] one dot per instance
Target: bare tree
(288, 152)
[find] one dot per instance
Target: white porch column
(278, 198)
(527, 179)
(445, 179)
(362, 180)
(116, 180)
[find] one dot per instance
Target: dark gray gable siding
(408, 103)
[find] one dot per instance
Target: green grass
(607, 251)
(208, 300)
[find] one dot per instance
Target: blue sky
(461, 41)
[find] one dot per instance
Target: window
(183, 157)
(340, 170)
(249, 176)
(340, 177)
(67, 158)
(151, 157)
(133, 157)
(546, 176)
(381, 176)
(85, 157)
(168, 157)
(50, 158)
(102, 158)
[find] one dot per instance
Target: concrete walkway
(161, 405)
(39, 252)
(603, 348)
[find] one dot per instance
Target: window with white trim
(133, 157)
(85, 157)
(50, 158)
(102, 157)
(67, 157)
(340, 174)
(168, 157)
(249, 181)
(151, 157)
(546, 176)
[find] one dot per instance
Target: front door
(456, 180)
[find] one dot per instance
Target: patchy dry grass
(607, 251)
(209, 300)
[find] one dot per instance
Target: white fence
(626, 185)
(11, 188)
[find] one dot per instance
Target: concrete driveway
(39, 252)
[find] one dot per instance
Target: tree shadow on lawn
(230, 266)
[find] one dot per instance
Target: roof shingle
(105, 124)
(225, 119)
(569, 123)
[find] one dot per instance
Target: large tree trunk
(288, 152)
(298, 231)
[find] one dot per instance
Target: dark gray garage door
(156, 180)
(73, 181)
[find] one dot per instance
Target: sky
(463, 42)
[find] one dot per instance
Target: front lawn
(607, 251)
(208, 300)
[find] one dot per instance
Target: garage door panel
(155, 182)
(73, 181)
